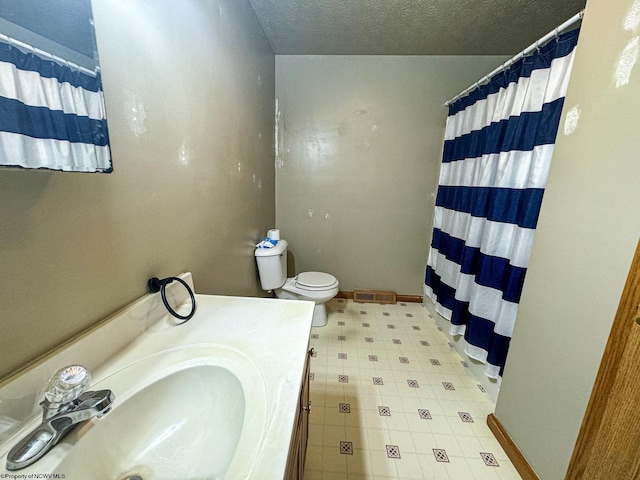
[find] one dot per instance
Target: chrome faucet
(65, 405)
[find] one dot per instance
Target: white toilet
(317, 287)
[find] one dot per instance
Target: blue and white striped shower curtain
(51, 116)
(498, 146)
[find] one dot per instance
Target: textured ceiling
(409, 27)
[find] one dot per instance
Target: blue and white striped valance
(497, 153)
(50, 115)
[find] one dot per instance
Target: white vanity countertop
(267, 338)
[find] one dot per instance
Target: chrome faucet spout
(58, 418)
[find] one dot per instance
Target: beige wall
(360, 141)
(589, 226)
(189, 90)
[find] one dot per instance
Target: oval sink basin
(158, 432)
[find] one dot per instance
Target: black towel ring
(157, 285)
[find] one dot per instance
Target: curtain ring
(30, 47)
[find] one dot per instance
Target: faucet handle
(67, 384)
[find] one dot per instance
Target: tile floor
(391, 399)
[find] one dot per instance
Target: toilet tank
(272, 265)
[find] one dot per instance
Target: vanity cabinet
(298, 447)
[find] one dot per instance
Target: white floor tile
(392, 359)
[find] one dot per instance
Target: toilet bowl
(318, 287)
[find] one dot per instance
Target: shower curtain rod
(554, 33)
(30, 48)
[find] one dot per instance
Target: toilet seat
(314, 281)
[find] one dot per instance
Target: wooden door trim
(624, 321)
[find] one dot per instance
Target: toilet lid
(315, 280)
